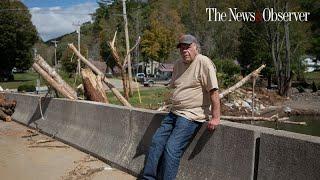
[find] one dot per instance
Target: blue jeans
(167, 147)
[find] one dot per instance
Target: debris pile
(242, 100)
(6, 108)
(265, 102)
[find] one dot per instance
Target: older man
(195, 89)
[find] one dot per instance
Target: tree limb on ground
(274, 118)
(241, 82)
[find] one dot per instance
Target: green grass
(150, 99)
(313, 76)
(28, 78)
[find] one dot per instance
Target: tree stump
(93, 87)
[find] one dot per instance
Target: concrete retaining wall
(121, 136)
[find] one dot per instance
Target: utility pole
(138, 33)
(55, 52)
(79, 33)
(38, 83)
(127, 44)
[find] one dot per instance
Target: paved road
(26, 158)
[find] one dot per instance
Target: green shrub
(227, 66)
(26, 88)
(227, 72)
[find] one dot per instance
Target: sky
(54, 18)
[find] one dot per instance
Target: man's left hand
(213, 123)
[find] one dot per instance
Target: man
(195, 89)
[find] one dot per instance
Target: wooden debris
(7, 103)
(44, 141)
(6, 108)
(7, 111)
(59, 87)
(93, 88)
(45, 66)
(30, 135)
(98, 72)
(5, 117)
(48, 146)
(273, 118)
(242, 81)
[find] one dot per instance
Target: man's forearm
(215, 104)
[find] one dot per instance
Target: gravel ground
(304, 103)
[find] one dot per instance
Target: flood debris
(6, 108)
(53, 78)
(48, 146)
(84, 170)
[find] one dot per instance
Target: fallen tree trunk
(4, 116)
(98, 72)
(93, 87)
(274, 118)
(52, 82)
(8, 111)
(242, 118)
(7, 104)
(44, 65)
(241, 82)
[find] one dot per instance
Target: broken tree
(122, 64)
(242, 81)
(98, 72)
(93, 87)
(51, 71)
(59, 87)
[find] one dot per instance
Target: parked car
(140, 77)
(167, 82)
(147, 82)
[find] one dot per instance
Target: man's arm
(215, 109)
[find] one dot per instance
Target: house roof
(166, 67)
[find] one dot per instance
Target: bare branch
(126, 58)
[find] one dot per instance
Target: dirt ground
(28, 155)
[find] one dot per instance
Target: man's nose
(185, 51)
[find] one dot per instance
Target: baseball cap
(186, 39)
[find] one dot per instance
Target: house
(155, 69)
(311, 64)
(165, 71)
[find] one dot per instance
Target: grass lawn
(28, 78)
(150, 98)
(313, 76)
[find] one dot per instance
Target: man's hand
(213, 123)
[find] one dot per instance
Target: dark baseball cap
(186, 39)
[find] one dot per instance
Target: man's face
(188, 52)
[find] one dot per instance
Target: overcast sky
(54, 18)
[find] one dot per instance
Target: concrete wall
(121, 136)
